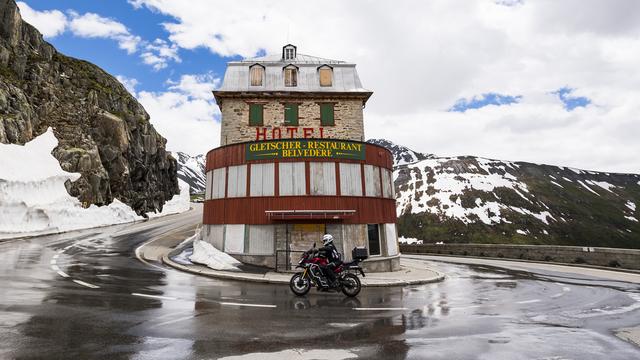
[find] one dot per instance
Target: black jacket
(331, 253)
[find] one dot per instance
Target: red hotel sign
(263, 133)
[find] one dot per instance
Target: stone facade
(235, 119)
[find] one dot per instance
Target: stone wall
(235, 119)
(622, 258)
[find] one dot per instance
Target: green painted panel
(305, 148)
(255, 114)
(291, 114)
(326, 115)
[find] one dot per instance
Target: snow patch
(631, 205)
(587, 187)
(178, 203)
(603, 184)
(205, 254)
(631, 218)
(404, 240)
(556, 184)
(34, 199)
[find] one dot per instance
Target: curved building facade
(292, 165)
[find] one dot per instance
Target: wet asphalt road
(85, 295)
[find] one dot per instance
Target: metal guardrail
(283, 260)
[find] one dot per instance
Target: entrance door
(300, 237)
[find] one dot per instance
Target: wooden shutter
(290, 76)
(326, 115)
(325, 76)
(255, 114)
(291, 114)
(257, 73)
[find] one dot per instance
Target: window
(323, 178)
(207, 190)
(262, 180)
(326, 115)
(256, 74)
(350, 179)
(218, 183)
(372, 180)
(325, 73)
(234, 236)
(291, 114)
(292, 178)
(237, 179)
(289, 52)
(290, 76)
(387, 184)
(256, 114)
(373, 232)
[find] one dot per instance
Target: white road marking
(154, 296)
(250, 305)
(528, 301)
(63, 274)
(381, 309)
(55, 268)
(173, 321)
(80, 282)
(557, 295)
(53, 261)
(343, 325)
(566, 288)
(56, 256)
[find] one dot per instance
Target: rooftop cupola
(289, 52)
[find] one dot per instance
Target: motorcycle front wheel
(299, 285)
(351, 285)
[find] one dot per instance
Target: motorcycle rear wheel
(351, 285)
(299, 285)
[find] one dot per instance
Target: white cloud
(185, 114)
(419, 57)
(129, 83)
(90, 25)
(159, 53)
(50, 23)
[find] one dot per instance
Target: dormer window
(289, 52)
(290, 76)
(256, 75)
(325, 73)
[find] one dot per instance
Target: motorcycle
(312, 262)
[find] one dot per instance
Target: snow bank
(205, 254)
(178, 203)
(34, 199)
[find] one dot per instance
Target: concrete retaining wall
(610, 257)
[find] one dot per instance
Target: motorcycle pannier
(359, 253)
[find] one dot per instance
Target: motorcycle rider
(333, 256)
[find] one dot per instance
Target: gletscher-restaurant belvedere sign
(304, 148)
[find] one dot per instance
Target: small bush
(465, 253)
(614, 263)
(482, 254)
(548, 258)
(500, 255)
(579, 260)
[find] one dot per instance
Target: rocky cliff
(469, 199)
(104, 133)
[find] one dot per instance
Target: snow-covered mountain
(191, 171)
(471, 199)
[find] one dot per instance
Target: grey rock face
(103, 132)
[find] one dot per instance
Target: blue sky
(504, 79)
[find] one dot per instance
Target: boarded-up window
(387, 184)
(350, 180)
(292, 179)
(391, 238)
(207, 190)
(323, 178)
(237, 180)
(256, 114)
(214, 235)
(256, 75)
(218, 183)
(372, 180)
(262, 180)
(327, 115)
(234, 236)
(290, 76)
(326, 76)
(291, 114)
(260, 240)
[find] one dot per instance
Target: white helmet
(327, 239)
